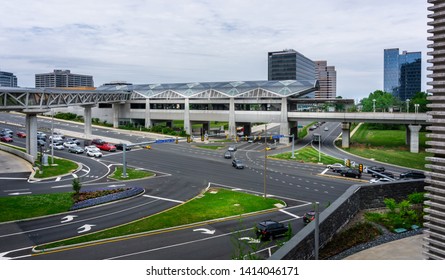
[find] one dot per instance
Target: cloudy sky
(168, 41)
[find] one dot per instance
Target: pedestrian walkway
(409, 248)
(10, 163)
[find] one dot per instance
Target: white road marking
(290, 214)
(161, 198)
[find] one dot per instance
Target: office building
(402, 73)
(7, 79)
(327, 79)
(290, 65)
(63, 78)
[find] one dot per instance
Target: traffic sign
(277, 136)
(159, 141)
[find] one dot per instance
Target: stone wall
(341, 211)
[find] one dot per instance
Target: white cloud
(187, 41)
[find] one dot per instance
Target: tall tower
(434, 247)
(327, 79)
(290, 65)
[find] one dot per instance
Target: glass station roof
(238, 89)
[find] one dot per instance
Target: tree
(421, 99)
(383, 101)
(76, 186)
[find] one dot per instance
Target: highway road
(183, 172)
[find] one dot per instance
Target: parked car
(97, 142)
(270, 229)
(232, 149)
(7, 131)
(412, 174)
(21, 134)
(308, 217)
(373, 169)
(227, 154)
(57, 135)
(120, 147)
(6, 139)
(57, 146)
(106, 147)
(41, 142)
(41, 135)
(56, 138)
(75, 140)
(75, 149)
(349, 172)
(69, 144)
(93, 151)
(238, 164)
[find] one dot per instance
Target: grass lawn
(60, 167)
(132, 174)
(29, 206)
(213, 204)
(308, 154)
(213, 147)
(388, 146)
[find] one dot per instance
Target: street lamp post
(265, 160)
(407, 105)
(293, 146)
(52, 137)
(416, 108)
(373, 105)
(319, 149)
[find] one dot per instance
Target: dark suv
(270, 229)
(354, 173)
(412, 175)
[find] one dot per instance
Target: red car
(21, 134)
(106, 147)
(6, 139)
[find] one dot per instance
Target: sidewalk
(409, 248)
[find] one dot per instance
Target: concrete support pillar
(414, 138)
(148, 122)
(345, 134)
(293, 128)
(284, 123)
(247, 129)
(187, 124)
(116, 115)
(206, 127)
(87, 121)
(232, 121)
(31, 134)
(407, 135)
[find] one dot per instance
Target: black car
(227, 154)
(308, 217)
(354, 173)
(270, 229)
(412, 175)
(121, 147)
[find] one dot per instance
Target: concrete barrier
(29, 158)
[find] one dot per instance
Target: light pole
(52, 137)
(293, 146)
(407, 105)
(319, 149)
(416, 108)
(265, 159)
(373, 105)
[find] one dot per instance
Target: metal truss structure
(43, 99)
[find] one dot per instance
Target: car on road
(238, 164)
(326, 128)
(380, 180)
(349, 172)
(41, 142)
(57, 146)
(69, 144)
(21, 134)
(232, 149)
(250, 141)
(308, 217)
(75, 149)
(106, 147)
(412, 174)
(6, 139)
(266, 230)
(312, 128)
(373, 169)
(93, 151)
(120, 147)
(335, 166)
(227, 154)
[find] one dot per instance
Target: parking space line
(290, 214)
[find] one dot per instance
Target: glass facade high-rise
(290, 65)
(63, 78)
(402, 73)
(7, 79)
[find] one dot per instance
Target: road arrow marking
(85, 228)
(19, 193)
(205, 231)
(250, 239)
(68, 218)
